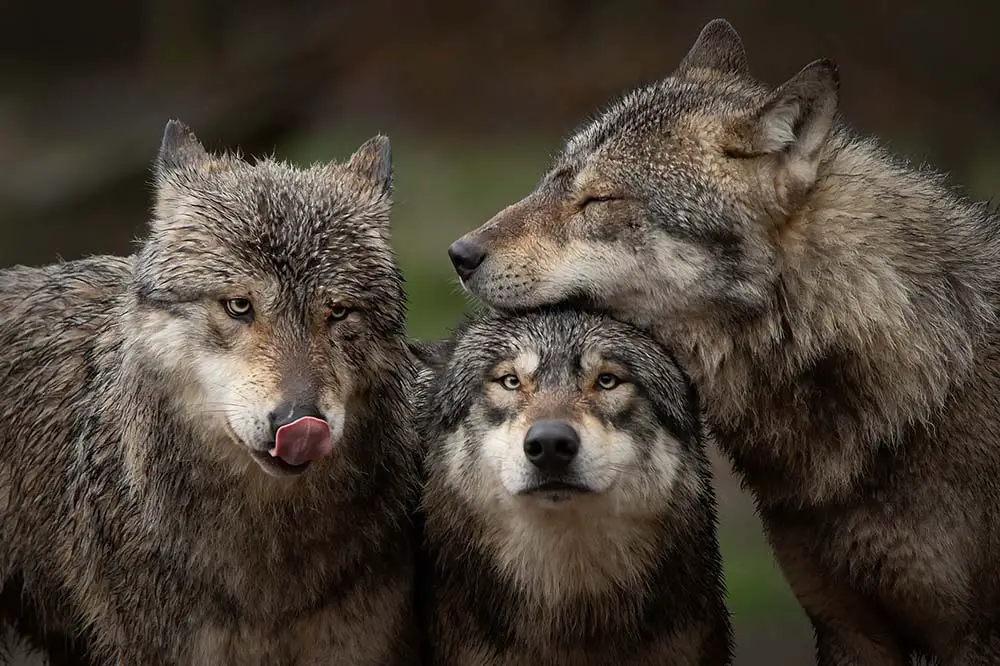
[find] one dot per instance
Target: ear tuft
(717, 48)
(373, 161)
(179, 148)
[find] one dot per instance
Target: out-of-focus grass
(756, 589)
(445, 186)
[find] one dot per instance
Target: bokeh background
(476, 97)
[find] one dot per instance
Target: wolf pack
(224, 449)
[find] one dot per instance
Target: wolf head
(268, 297)
(670, 203)
(559, 408)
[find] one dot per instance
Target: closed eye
(596, 199)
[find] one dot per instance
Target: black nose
(551, 445)
(290, 413)
(466, 257)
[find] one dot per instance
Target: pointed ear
(181, 158)
(800, 113)
(718, 48)
(795, 124)
(180, 149)
(373, 161)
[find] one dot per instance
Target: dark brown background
(476, 96)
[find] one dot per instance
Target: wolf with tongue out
(206, 450)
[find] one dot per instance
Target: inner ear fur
(793, 125)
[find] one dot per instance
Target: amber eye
(238, 308)
(510, 382)
(338, 312)
(608, 381)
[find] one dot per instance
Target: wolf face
(268, 296)
(567, 494)
(671, 202)
(548, 410)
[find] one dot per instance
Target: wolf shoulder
(82, 293)
(55, 319)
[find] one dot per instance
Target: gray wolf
(569, 512)
(207, 454)
(836, 307)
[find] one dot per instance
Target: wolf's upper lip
(559, 486)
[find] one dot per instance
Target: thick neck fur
(885, 299)
(550, 559)
(588, 580)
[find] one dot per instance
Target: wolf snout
(466, 256)
(551, 445)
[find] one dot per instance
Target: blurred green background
(476, 98)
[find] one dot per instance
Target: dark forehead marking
(559, 335)
(559, 341)
(298, 227)
(557, 371)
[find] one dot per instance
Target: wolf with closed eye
(837, 308)
(569, 509)
(207, 453)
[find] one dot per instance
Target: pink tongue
(303, 440)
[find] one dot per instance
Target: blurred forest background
(476, 96)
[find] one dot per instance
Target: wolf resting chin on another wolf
(836, 308)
